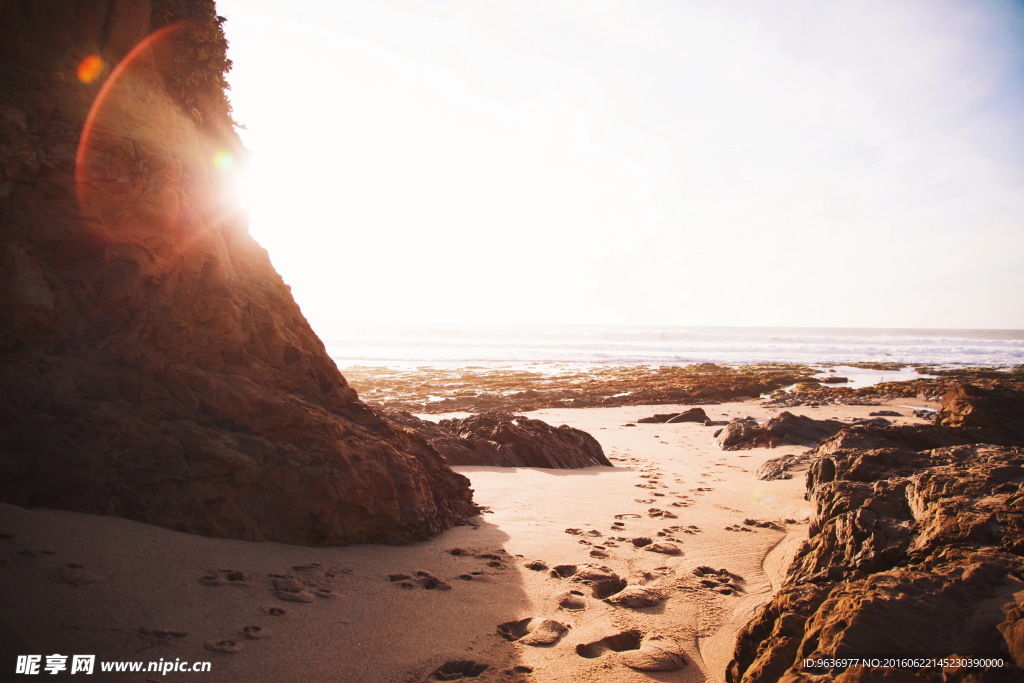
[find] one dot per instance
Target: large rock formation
(1000, 411)
(784, 428)
(506, 440)
(153, 364)
(916, 548)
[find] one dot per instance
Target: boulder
(691, 415)
(505, 440)
(153, 365)
(785, 428)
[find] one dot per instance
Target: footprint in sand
(719, 580)
(664, 549)
(618, 642)
(288, 589)
(573, 601)
(224, 577)
(429, 582)
(546, 634)
(457, 670)
(607, 587)
(659, 513)
(226, 646)
(77, 575)
(159, 636)
(254, 632)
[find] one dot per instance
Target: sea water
(497, 344)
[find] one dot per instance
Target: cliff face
(153, 364)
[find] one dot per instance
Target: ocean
(498, 344)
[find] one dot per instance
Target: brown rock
(691, 415)
(505, 440)
(784, 428)
(998, 410)
(910, 551)
(153, 365)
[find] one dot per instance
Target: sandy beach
(266, 611)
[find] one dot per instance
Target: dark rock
(915, 551)
(999, 411)
(834, 379)
(784, 428)
(782, 467)
(153, 365)
(885, 413)
(505, 440)
(691, 415)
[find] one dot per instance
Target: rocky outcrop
(916, 547)
(782, 467)
(506, 440)
(153, 365)
(519, 390)
(690, 415)
(784, 428)
(999, 411)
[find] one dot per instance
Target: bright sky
(663, 162)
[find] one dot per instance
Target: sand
(83, 584)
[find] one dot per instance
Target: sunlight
(518, 155)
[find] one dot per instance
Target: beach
(126, 591)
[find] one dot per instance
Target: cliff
(153, 365)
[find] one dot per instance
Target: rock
(880, 421)
(1012, 628)
(505, 440)
(916, 547)
(691, 415)
(784, 428)
(782, 467)
(153, 365)
(834, 379)
(998, 411)
(885, 413)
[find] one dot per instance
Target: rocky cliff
(153, 365)
(916, 548)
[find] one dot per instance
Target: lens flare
(90, 69)
(224, 160)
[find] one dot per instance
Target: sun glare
(90, 69)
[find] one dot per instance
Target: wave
(679, 345)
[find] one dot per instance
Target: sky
(655, 162)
